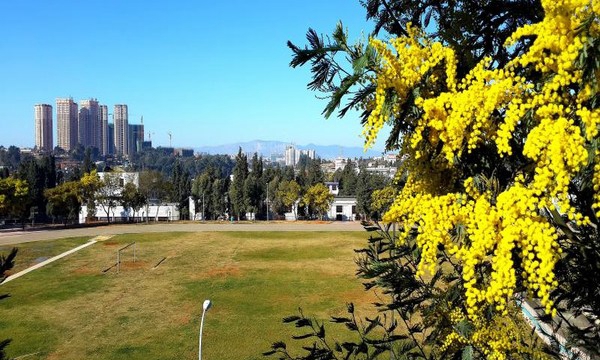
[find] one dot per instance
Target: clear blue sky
(211, 72)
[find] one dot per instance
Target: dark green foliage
(88, 163)
(155, 159)
(182, 185)
(347, 178)
(11, 157)
(40, 174)
(236, 189)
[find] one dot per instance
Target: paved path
(17, 237)
(52, 259)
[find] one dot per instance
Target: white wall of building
(164, 212)
(342, 208)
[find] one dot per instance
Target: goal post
(119, 257)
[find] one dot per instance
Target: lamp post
(267, 201)
(207, 304)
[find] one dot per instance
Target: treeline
(255, 190)
(34, 190)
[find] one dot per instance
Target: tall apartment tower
(104, 148)
(89, 123)
(136, 138)
(121, 130)
(43, 127)
(67, 130)
(111, 139)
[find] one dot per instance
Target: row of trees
(221, 186)
(252, 188)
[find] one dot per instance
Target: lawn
(71, 309)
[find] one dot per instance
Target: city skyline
(217, 74)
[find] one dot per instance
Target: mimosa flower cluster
(537, 104)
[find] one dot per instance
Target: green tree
(202, 189)
(132, 198)
(182, 188)
(219, 200)
(318, 199)
(348, 179)
(155, 188)
(366, 184)
(64, 201)
(108, 194)
(88, 163)
(10, 157)
(90, 184)
(13, 197)
(288, 193)
(236, 190)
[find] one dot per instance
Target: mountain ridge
(266, 148)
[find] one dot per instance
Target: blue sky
(211, 72)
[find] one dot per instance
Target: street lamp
(205, 306)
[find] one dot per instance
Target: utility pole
(267, 201)
(203, 219)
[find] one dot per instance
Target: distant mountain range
(267, 148)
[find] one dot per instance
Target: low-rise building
(343, 208)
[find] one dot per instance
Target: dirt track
(16, 237)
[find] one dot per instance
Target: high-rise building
(104, 135)
(121, 130)
(67, 131)
(136, 138)
(89, 123)
(293, 155)
(290, 155)
(43, 127)
(111, 139)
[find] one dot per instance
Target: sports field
(72, 309)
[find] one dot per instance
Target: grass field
(70, 309)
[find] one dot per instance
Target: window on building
(339, 208)
(353, 209)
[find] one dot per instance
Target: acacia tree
(90, 183)
(13, 197)
(288, 193)
(499, 129)
(318, 198)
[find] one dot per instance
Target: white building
(334, 187)
(162, 212)
(154, 212)
(339, 164)
(343, 208)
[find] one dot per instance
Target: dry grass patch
(71, 309)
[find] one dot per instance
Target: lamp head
(207, 304)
